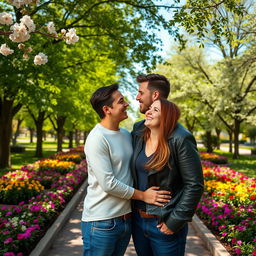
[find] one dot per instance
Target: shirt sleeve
(99, 158)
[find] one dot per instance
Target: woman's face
(153, 115)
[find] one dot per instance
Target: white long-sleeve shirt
(108, 154)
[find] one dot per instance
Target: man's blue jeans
(106, 237)
(150, 241)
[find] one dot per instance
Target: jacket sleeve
(188, 164)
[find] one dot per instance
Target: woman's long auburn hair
(170, 114)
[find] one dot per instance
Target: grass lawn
(28, 157)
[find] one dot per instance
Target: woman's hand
(156, 197)
(164, 229)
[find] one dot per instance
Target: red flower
(231, 197)
(252, 197)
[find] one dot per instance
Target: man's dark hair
(156, 82)
(103, 97)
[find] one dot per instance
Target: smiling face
(119, 106)
(153, 115)
(145, 97)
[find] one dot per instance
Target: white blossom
(71, 36)
(20, 3)
(5, 50)
(40, 59)
(6, 18)
(20, 33)
(21, 46)
(25, 56)
(63, 31)
(51, 28)
(28, 22)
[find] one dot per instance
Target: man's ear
(155, 95)
(106, 109)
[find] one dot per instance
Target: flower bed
(214, 158)
(24, 222)
(228, 207)
(73, 156)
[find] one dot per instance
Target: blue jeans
(150, 241)
(106, 237)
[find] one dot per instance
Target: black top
(142, 175)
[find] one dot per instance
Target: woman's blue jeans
(150, 241)
(106, 237)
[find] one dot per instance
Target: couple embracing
(157, 166)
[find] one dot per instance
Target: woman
(165, 155)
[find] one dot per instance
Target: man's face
(144, 97)
(119, 106)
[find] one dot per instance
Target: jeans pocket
(105, 225)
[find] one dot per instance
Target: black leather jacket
(184, 177)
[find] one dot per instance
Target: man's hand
(164, 229)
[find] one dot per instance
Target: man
(186, 192)
(106, 217)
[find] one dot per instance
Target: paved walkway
(69, 241)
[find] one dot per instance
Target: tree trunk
(7, 112)
(77, 137)
(39, 132)
(17, 132)
(236, 139)
(60, 131)
(230, 133)
(70, 137)
(209, 142)
(5, 132)
(218, 131)
(85, 135)
(31, 132)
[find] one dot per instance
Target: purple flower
(9, 254)
(241, 228)
(224, 234)
(8, 240)
(238, 251)
(8, 214)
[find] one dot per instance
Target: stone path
(69, 241)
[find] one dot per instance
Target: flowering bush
(18, 186)
(214, 158)
(53, 164)
(21, 30)
(228, 207)
(21, 226)
(70, 156)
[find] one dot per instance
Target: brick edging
(211, 242)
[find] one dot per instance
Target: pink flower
(238, 251)
(8, 240)
(224, 234)
(239, 242)
(8, 214)
(9, 254)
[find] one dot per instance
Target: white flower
(29, 49)
(25, 56)
(5, 50)
(51, 28)
(21, 46)
(20, 33)
(28, 22)
(20, 3)
(40, 59)
(71, 36)
(63, 31)
(6, 18)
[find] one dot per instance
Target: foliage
(214, 158)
